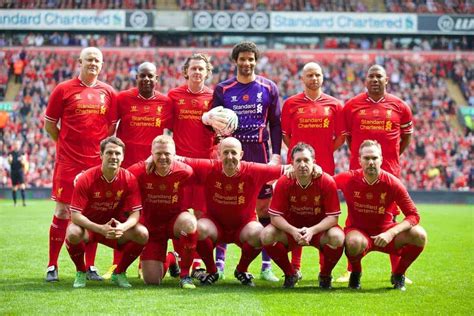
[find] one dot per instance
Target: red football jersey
(315, 122)
(100, 200)
(85, 115)
(231, 201)
(192, 138)
(161, 195)
(305, 207)
(141, 120)
(384, 121)
(368, 205)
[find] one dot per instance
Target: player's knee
(141, 234)
(354, 245)
(203, 230)
(189, 225)
(74, 234)
(151, 280)
(336, 237)
(267, 236)
(419, 236)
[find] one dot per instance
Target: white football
(232, 123)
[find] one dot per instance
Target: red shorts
(194, 197)
(63, 182)
(229, 236)
(390, 248)
(315, 241)
(96, 237)
(164, 231)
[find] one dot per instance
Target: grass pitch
(442, 275)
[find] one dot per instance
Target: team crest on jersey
(246, 97)
(381, 210)
(357, 194)
(181, 101)
(300, 110)
(259, 96)
(162, 187)
(97, 195)
(313, 110)
(304, 198)
(59, 191)
(375, 112)
(159, 109)
(119, 194)
(293, 198)
(241, 187)
(382, 197)
(176, 186)
(102, 98)
(194, 102)
(218, 185)
(146, 108)
(149, 186)
(369, 196)
(206, 104)
(317, 199)
(108, 194)
(174, 199)
(103, 109)
(228, 187)
(90, 96)
(241, 199)
(389, 113)
(133, 108)
(233, 98)
(326, 110)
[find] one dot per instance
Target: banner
(446, 24)
(230, 21)
(368, 23)
(105, 20)
(139, 20)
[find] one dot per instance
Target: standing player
(105, 208)
(164, 214)
(314, 118)
(380, 116)
(232, 188)
(143, 113)
(370, 193)
(17, 161)
(304, 212)
(192, 138)
(256, 102)
(80, 113)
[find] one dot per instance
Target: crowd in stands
(415, 6)
(147, 40)
(440, 155)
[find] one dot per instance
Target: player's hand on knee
(383, 239)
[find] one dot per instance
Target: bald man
(314, 118)
(80, 113)
(383, 117)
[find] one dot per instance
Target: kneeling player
(370, 193)
(105, 208)
(304, 211)
(163, 214)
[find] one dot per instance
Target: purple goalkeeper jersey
(255, 103)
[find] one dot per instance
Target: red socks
(57, 234)
(76, 252)
(131, 250)
(296, 257)
(205, 250)
(279, 253)
(408, 254)
(91, 249)
(330, 259)
(394, 261)
(187, 248)
(249, 253)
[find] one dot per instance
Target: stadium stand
(440, 155)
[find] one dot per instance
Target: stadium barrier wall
(429, 197)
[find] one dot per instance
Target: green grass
(442, 275)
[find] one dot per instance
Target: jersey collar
(150, 98)
(373, 101)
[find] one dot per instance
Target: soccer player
(232, 187)
(192, 138)
(314, 118)
(381, 116)
(105, 208)
(80, 113)
(163, 213)
(304, 212)
(370, 193)
(143, 113)
(256, 102)
(17, 161)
